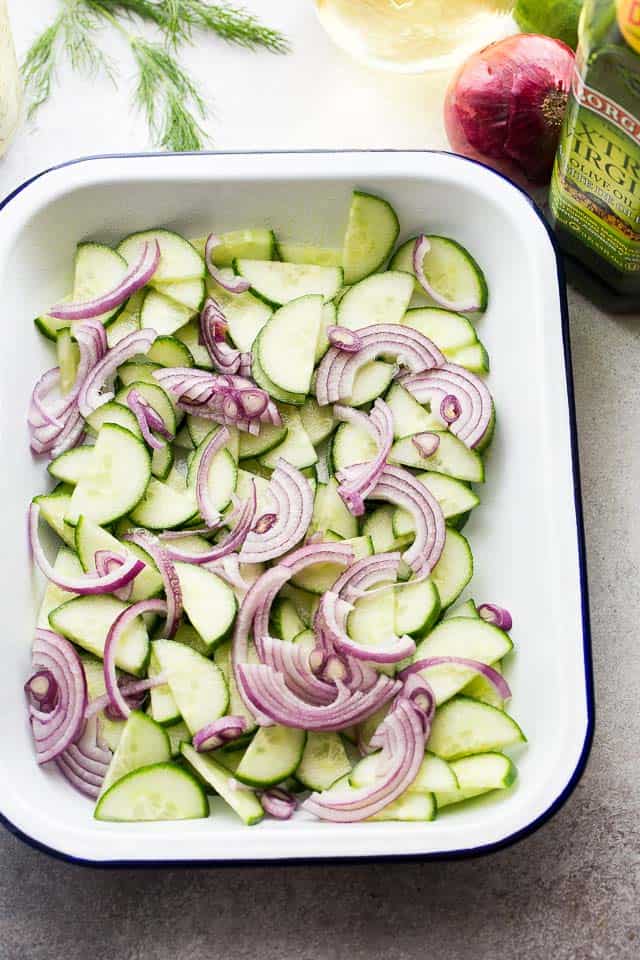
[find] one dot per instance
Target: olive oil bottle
(595, 188)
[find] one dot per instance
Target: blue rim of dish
(562, 798)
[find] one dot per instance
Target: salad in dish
(264, 456)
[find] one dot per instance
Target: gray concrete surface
(570, 892)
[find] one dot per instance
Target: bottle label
(595, 187)
(629, 22)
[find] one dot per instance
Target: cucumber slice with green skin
(481, 689)
(330, 512)
(479, 774)
(307, 253)
(475, 358)
(162, 462)
(296, 448)
(263, 495)
(199, 428)
(162, 314)
(324, 760)
(379, 526)
(97, 270)
(255, 243)
(163, 508)
(321, 576)
(89, 537)
(246, 315)
(118, 476)
(351, 445)
(448, 330)
(265, 382)
(67, 565)
(410, 807)
(154, 395)
(178, 734)
(380, 298)
(179, 260)
(450, 270)
(188, 293)
(137, 371)
(142, 743)
(329, 319)
(191, 638)
(461, 637)
(162, 791)
(53, 509)
(417, 608)
(209, 602)
(273, 755)
(463, 726)
(222, 477)
(434, 775)
(278, 283)
(317, 421)
(454, 569)
(306, 603)
(370, 382)
(117, 413)
(183, 440)
(169, 352)
(409, 417)
(269, 437)
(243, 802)
(236, 708)
(164, 708)
(467, 609)
(285, 621)
(455, 498)
(373, 620)
(87, 621)
(285, 347)
(190, 335)
(123, 325)
(72, 465)
(452, 458)
(198, 685)
(371, 234)
(68, 355)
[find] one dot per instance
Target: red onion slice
(293, 662)
(135, 278)
(496, 679)
(219, 397)
(213, 327)
(91, 395)
(470, 392)
(43, 688)
(117, 699)
(278, 803)
(173, 592)
(231, 283)
(55, 729)
(219, 732)
(337, 369)
(345, 339)
(426, 443)
(105, 561)
(148, 420)
(232, 542)
(496, 615)
(85, 763)
(209, 514)
(357, 485)
(333, 614)
(293, 497)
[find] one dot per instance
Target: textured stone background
(570, 892)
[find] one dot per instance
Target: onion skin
(505, 105)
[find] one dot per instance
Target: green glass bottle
(595, 188)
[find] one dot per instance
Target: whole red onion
(505, 105)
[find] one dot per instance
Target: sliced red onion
(496, 679)
(213, 327)
(209, 514)
(135, 278)
(450, 408)
(39, 414)
(293, 497)
(367, 572)
(149, 420)
(231, 283)
(337, 369)
(278, 803)
(333, 614)
(92, 393)
(56, 728)
(470, 392)
(85, 763)
(264, 523)
(496, 615)
(170, 580)
(87, 584)
(419, 692)
(125, 617)
(426, 443)
(345, 339)
(232, 542)
(224, 398)
(215, 734)
(106, 561)
(357, 485)
(228, 568)
(43, 688)
(294, 663)
(132, 690)
(421, 249)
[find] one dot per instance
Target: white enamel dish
(526, 537)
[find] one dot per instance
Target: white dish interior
(524, 535)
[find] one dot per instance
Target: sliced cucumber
(370, 382)
(324, 760)
(463, 726)
(278, 283)
(245, 314)
(460, 637)
(162, 462)
(169, 352)
(409, 416)
(164, 708)
(156, 397)
(450, 270)
(117, 478)
(273, 755)
(285, 621)
(196, 683)
(372, 622)
(67, 565)
(142, 743)
(179, 260)
(90, 537)
(481, 689)
(117, 413)
(479, 774)
(285, 347)
(454, 569)
(110, 730)
(351, 445)
(188, 293)
(53, 508)
(162, 791)
(256, 243)
(208, 601)
(296, 448)
(417, 608)
(329, 319)
(409, 807)
(199, 428)
(243, 802)
(136, 370)
(452, 458)
(371, 233)
(321, 576)
(97, 270)
(222, 477)
(475, 358)
(330, 512)
(123, 325)
(269, 437)
(68, 355)
(163, 508)
(448, 330)
(454, 497)
(435, 775)
(305, 602)
(72, 465)
(307, 253)
(317, 421)
(379, 526)
(380, 298)
(178, 734)
(189, 335)
(163, 314)
(466, 609)
(263, 494)
(87, 621)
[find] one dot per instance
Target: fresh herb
(167, 96)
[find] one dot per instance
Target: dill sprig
(39, 66)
